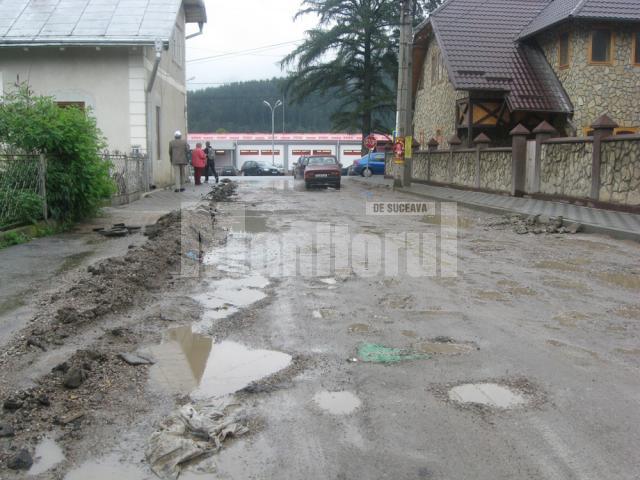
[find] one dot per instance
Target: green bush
(24, 206)
(77, 178)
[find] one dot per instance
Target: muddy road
(290, 334)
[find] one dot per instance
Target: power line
(241, 52)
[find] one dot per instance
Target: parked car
(229, 171)
(370, 164)
(299, 166)
(280, 168)
(258, 168)
(322, 171)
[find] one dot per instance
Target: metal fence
(130, 175)
(22, 188)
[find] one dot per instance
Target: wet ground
(522, 363)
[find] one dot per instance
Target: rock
(33, 341)
(558, 221)
(521, 230)
(134, 359)
(6, 430)
(74, 378)
(12, 404)
(21, 460)
(542, 219)
(44, 400)
(574, 228)
(70, 417)
(61, 367)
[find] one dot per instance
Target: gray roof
(560, 10)
(92, 22)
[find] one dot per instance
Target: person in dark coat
(211, 163)
(178, 151)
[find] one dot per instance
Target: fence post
(482, 142)
(43, 186)
(602, 128)
(454, 144)
(543, 132)
(518, 159)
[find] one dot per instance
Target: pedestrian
(178, 155)
(199, 162)
(211, 162)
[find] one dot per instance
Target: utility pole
(404, 118)
(273, 128)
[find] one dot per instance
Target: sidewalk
(594, 220)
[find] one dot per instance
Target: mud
(337, 403)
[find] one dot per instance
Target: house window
(601, 46)
(636, 48)
(563, 50)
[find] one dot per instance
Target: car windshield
(322, 161)
(264, 165)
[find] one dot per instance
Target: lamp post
(273, 128)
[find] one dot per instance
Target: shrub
(77, 179)
(24, 206)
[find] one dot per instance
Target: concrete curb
(586, 227)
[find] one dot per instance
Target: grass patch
(26, 234)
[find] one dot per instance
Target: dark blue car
(370, 164)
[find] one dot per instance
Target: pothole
(359, 328)
(188, 362)
(443, 346)
(487, 394)
(337, 403)
(47, 455)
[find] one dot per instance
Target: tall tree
(352, 55)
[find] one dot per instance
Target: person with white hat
(178, 154)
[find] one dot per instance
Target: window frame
(612, 47)
(635, 48)
(566, 65)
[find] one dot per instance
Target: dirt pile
(535, 224)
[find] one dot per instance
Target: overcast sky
(238, 26)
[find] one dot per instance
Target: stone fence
(601, 169)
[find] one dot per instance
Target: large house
(483, 66)
(123, 59)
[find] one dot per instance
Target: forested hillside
(238, 107)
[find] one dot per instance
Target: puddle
(563, 284)
(73, 261)
(108, 468)
(409, 333)
(489, 394)
(317, 314)
(371, 352)
(47, 455)
(489, 295)
(329, 281)
(514, 288)
(188, 362)
(359, 328)
(337, 403)
(443, 348)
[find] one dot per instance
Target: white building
(236, 148)
(123, 59)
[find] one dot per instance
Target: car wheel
(367, 172)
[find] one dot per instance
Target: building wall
(597, 89)
(169, 95)
(435, 102)
(99, 78)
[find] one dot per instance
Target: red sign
(371, 142)
(398, 148)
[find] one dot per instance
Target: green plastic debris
(371, 352)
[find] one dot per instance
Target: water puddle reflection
(337, 403)
(108, 468)
(188, 362)
(489, 394)
(47, 455)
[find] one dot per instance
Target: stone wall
(440, 166)
(620, 171)
(596, 89)
(435, 103)
(464, 168)
(495, 170)
(565, 168)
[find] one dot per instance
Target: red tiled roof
(478, 39)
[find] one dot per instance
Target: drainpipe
(195, 34)
(156, 64)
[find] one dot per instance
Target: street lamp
(273, 128)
